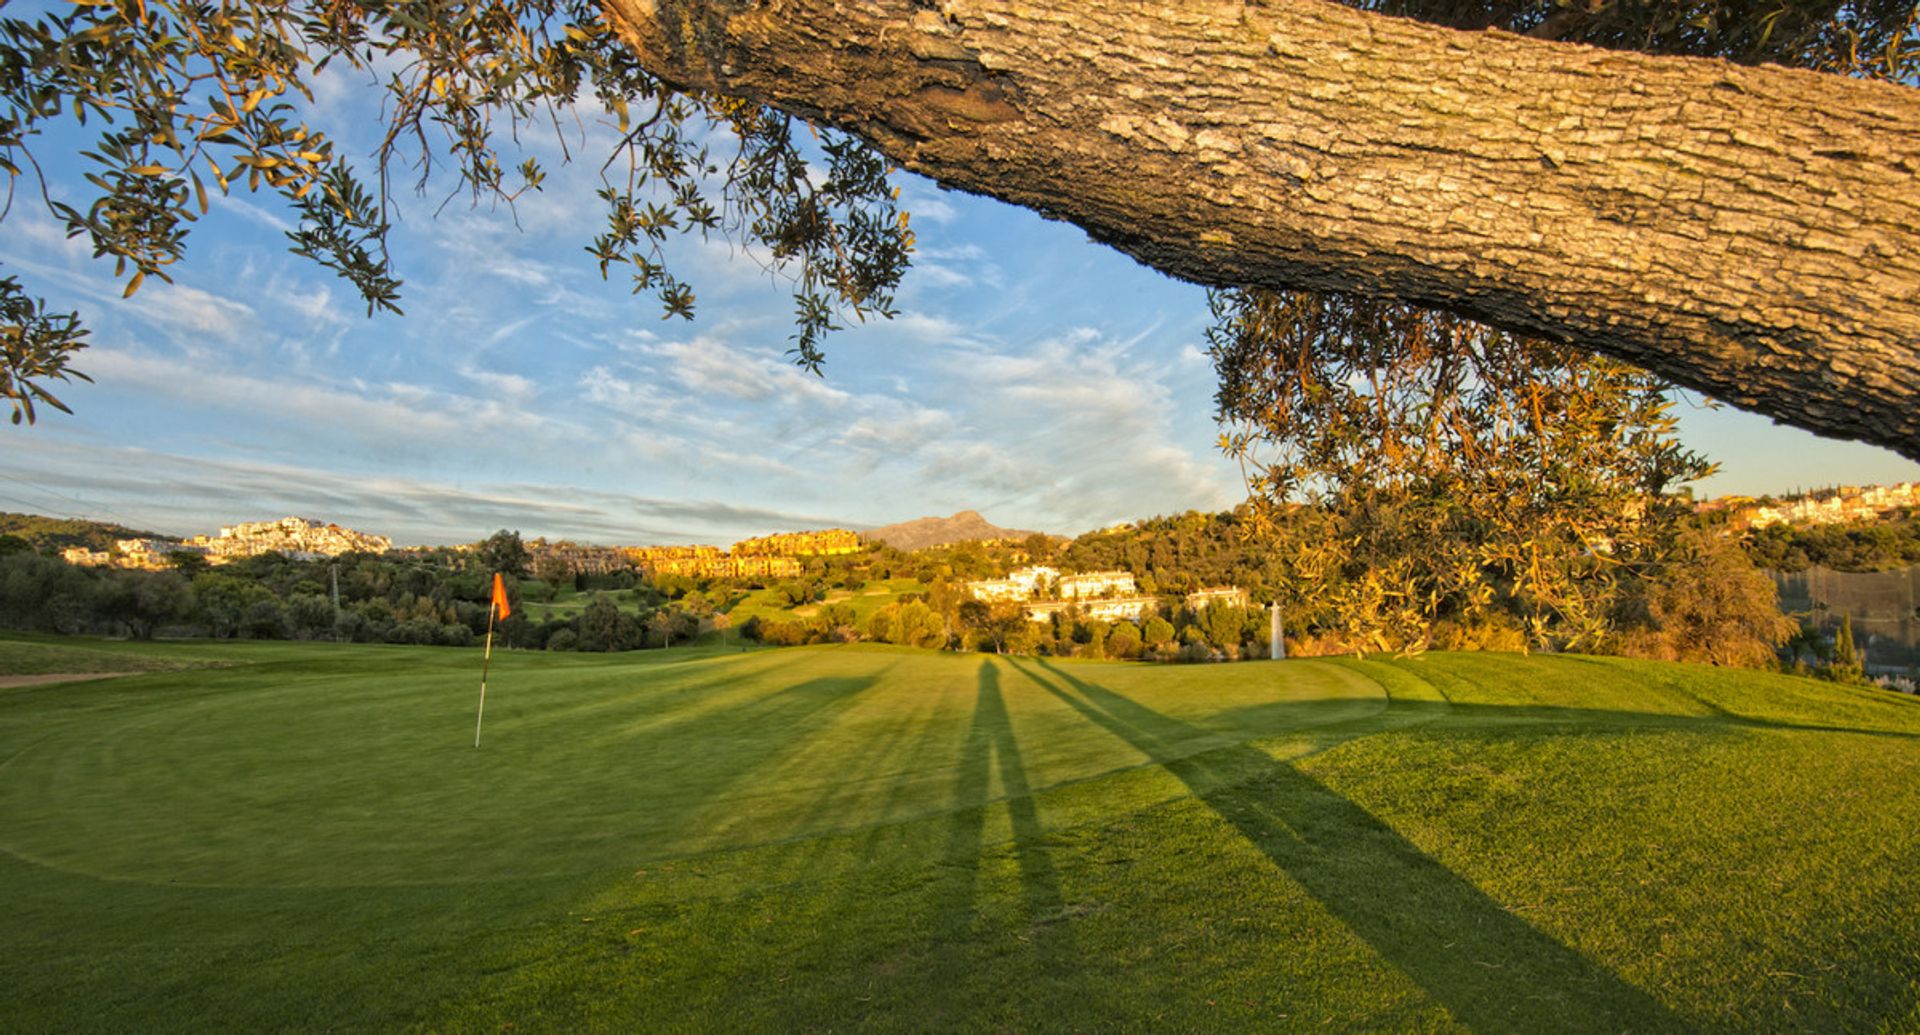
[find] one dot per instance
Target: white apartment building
(1024, 584)
(1088, 584)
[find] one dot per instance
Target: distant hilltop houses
(295, 537)
(800, 544)
(1828, 507)
(1103, 595)
(766, 557)
(773, 556)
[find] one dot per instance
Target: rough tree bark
(1750, 232)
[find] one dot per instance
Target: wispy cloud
(709, 366)
(191, 317)
(382, 414)
(510, 388)
(927, 207)
(251, 211)
(1095, 439)
(183, 494)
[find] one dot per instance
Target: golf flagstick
(497, 606)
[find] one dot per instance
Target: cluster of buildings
(295, 537)
(1835, 506)
(300, 538)
(576, 557)
(800, 544)
(650, 558)
(767, 557)
(138, 554)
(1102, 595)
(725, 567)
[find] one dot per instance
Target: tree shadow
(1488, 967)
(990, 747)
(1667, 684)
(1549, 720)
(690, 766)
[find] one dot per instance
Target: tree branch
(1753, 233)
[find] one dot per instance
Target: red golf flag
(500, 596)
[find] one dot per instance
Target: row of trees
(435, 599)
(1216, 632)
(1703, 600)
(1709, 605)
(266, 597)
(1361, 577)
(1881, 545)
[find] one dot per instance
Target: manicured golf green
(862, 838)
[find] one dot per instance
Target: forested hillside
(51, 534)
(1887, 544)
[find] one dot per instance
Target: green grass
(763, 603)
(24, 655)
(861, 838)
(569, 603)
(770, 604)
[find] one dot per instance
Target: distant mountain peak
(921, 533)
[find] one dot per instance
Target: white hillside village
(1103, 595)
(297, 538)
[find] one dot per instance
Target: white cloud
(895, 433)
(926, 207)
(506, 387)
(183, 494)
(257, 214)
(709, 366)
(194, 315)
(603, 386)
(187, 315)
(1075, 431)
(516, 366)
(506, 331)
(395, 412)
(936, 275)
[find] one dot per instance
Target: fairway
(869, 838)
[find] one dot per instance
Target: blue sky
(1044, 380)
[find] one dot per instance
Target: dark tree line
(1882, 545)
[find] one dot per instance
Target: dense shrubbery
(1711, 605)
(1701, 600)
(267, 597)
(438, 598)
(50, 535)
(1879, 545)
(1218, 632)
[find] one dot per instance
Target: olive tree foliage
(1415, 468)
(1714, 607)
(186, 97)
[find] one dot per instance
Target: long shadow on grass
(1492, 970)
(1604, 720)
(990, 746)
(689, 765)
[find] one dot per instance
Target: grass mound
(875, 838)
(46, 655)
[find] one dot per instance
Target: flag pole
(485, 660)
(494, 609)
